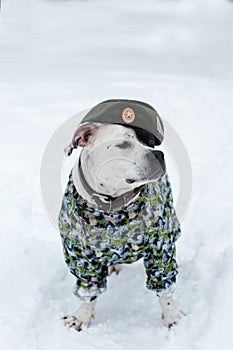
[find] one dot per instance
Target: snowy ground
(60, 57)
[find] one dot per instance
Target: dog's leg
(170, 313)
(114, 268)
(82, 317)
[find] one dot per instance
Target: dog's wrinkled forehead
(89, 135)
(112, 132)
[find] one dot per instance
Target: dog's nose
(130, 181)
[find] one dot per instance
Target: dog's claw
(72, 322)
(81, 318)
(171, 325)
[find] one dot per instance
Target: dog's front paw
(170, 313)
(81, 318)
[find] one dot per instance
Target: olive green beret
(134, 114)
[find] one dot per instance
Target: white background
(60, 57)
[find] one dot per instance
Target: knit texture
(93, 239)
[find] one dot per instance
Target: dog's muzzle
(106, 202)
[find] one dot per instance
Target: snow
(60, 57)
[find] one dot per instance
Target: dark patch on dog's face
(124, 145)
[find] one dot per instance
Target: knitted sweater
(93, 240)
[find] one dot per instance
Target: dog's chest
(116, 228)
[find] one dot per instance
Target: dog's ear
(81, 136)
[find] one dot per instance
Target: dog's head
(114, 160)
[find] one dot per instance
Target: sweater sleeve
(160, 257)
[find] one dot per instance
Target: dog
(118, 208)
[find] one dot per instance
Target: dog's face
(113, 159)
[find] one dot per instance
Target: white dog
(117, 208)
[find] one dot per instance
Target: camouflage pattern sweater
(93, 240)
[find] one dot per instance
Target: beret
(138, 115)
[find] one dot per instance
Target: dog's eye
(124, 145)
